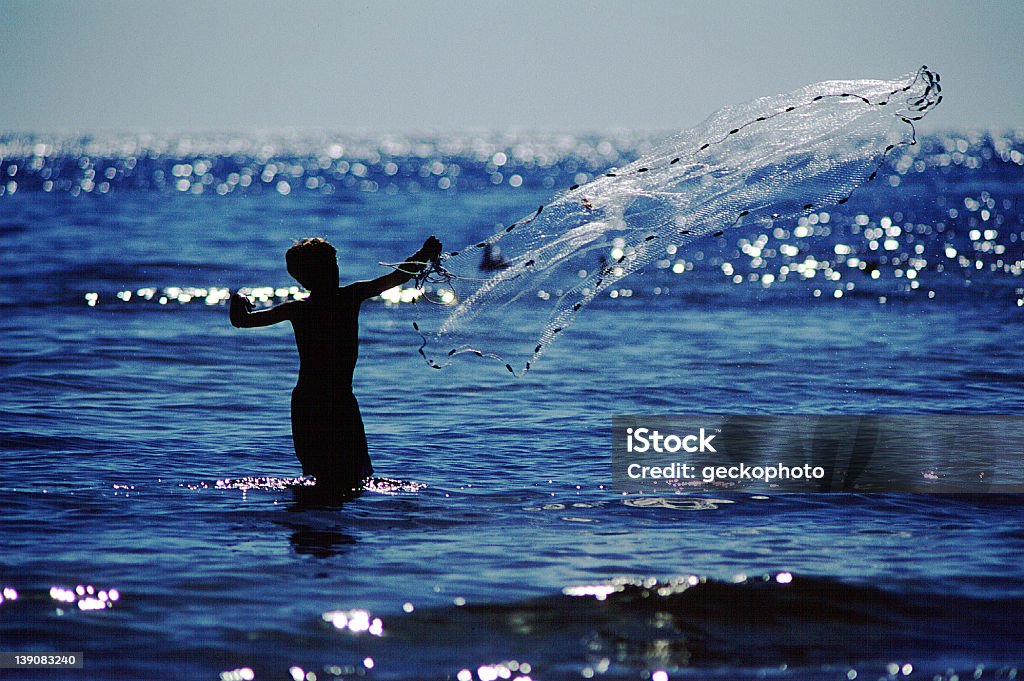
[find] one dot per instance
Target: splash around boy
(327, 428)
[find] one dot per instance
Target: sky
(530, 65)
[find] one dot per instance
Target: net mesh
(511, 295)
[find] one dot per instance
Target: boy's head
(313, 263)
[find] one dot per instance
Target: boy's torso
(327, 335)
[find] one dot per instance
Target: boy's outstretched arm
(242, 315)
(412, 266)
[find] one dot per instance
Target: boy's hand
(238, 300)
(239, 309)
(431, 248)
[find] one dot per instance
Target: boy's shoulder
(343, 296)
(357, 291)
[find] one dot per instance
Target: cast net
(773, 158)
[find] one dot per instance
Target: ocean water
(151, 517)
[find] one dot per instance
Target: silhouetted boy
(327, 428)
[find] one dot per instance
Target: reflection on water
(320, 543)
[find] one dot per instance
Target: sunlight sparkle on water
(356, 621)
(259, 483)
(87, 597)
(500, 670)
(889, 251)
(261, 296)
(396, 295)
(8, 594)
(598, 591)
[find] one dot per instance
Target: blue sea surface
(151, 517)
